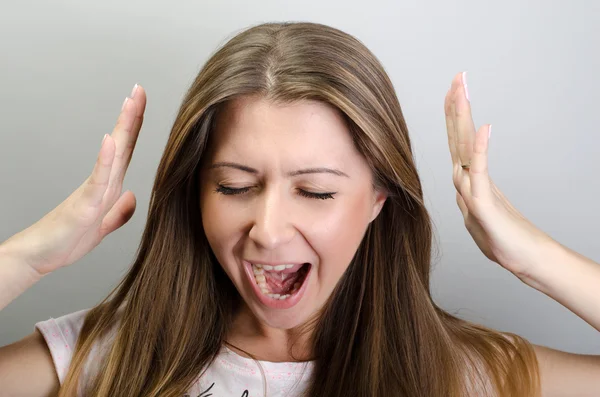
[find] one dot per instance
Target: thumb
(120, 213)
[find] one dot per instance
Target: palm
(501, 232)
(74, 242)
(96, 208)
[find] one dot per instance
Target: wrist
(15, 256)
(547, 268)
(571, 279)
(16, 275)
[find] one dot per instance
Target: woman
(287, 247)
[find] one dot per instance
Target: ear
(379, 198)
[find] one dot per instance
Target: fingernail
(124, 102)
(103, 139)
(490, 131)
(134, 90)
(464, 81)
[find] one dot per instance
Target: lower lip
(271, 302)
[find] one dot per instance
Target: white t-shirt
(229, 375)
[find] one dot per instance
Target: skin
(500, 231)
(273, 221)
(506, 237)
(97, 208)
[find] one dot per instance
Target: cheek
(337, 235)
(219, 225)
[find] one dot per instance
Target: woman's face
(284, 186)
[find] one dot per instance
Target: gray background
(66, 67)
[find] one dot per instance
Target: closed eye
(228, 191)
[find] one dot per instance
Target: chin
(281, 320)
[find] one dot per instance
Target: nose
(271, 226)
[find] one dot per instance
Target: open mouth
(281, 281)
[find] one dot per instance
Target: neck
(249, 337)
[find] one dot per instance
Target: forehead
(252, 125)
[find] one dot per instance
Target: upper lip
(261, 262)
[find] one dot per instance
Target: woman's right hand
(95, 209)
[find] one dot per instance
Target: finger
(480, 180)
(120, 213)
(140, 103)
(125, 134)
(453, 88)
(449, 113)
(498, 193)
(464, 127)
(97, 183)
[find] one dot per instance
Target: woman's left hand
(499, 230)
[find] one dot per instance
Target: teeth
(261, 280)
(278, 296)
(270, 268)
(257, 271)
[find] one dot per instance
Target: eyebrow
(318, 170)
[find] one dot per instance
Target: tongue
(281, 283)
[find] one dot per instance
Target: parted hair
(380, 334)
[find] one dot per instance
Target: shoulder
(565, 373)
(26, 368)
(504, 364)
(477, 377)
(60, 335)
(36, 365)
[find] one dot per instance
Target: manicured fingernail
(464, 81)
(124, 102)
(134, 90)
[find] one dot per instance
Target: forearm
(16, 275)
(571, 279)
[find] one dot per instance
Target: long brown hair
(175, 305)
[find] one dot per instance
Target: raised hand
(95, 209)
(502, 233)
